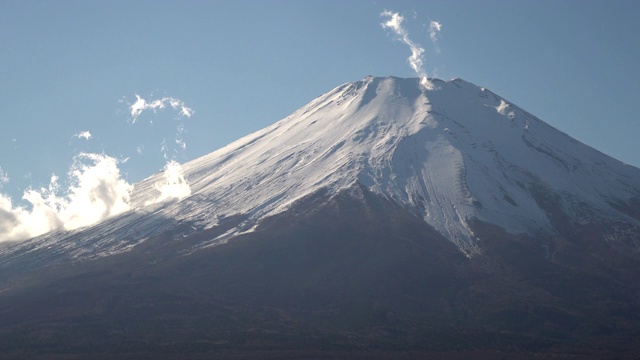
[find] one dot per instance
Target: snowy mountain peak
(355, 201)
(451, 156)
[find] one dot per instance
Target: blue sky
(73, 66)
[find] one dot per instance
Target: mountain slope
(449, 155)
(354, 276)
(378, 217)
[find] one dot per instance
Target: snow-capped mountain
(451, 155)
(380, 216)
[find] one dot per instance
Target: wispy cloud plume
(83, 135)
(96, 192)
(416, 60)
(4, 177)
(180, 130)
(434, 30)
(394, 23)
(141, 105)
(173, 184)
(167, 148)
(434, 33)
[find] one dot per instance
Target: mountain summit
(450, 155)
(380, 216)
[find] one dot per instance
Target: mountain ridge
(450, 155)
(419, 148)
(378, 217)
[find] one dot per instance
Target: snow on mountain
(449, 155)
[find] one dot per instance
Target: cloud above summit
(434, 30)
(394, 23)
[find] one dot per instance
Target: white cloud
(142, 105)
(168, 151)
(179, 137)
(164, 149)
(83, 135)
(181, 143)
(137, 108)
(416, 60)
(185, 111)
(173, 185)
(434, 30)
(4, 177)
(96, 192)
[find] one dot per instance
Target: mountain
(378, 217)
